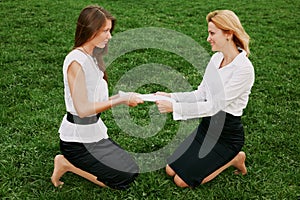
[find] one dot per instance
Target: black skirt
(105, 159)
(216, 141)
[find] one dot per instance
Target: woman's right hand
(163, 94)
(132, 100)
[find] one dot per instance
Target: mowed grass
(37, 34)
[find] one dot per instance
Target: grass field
(37, 34)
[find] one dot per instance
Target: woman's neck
(229, 56)
(87, 49)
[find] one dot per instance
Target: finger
(139, 99)
(163, 102)
(160, 108)
(162, 111)
(163, 94)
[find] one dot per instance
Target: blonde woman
(219, 100)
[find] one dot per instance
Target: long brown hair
(91, 19)
(227, 21)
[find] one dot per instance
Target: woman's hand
(131, 99)
(164, 106)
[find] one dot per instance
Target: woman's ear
(229, 35)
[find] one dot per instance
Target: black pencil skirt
(216, 141)
(105, 159)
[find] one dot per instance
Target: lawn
(37, 34)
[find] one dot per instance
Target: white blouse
(227, 89)
(97, 91)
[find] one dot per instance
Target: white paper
(150, 97)
(154, 97)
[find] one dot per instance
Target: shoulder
(75, 55)
(243, 61)
(244, 67)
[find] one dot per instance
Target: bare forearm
(114, 97)
(90, 108)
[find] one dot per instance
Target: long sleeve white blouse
(227, 89)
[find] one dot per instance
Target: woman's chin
(101, 46)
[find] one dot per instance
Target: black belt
(82, 121)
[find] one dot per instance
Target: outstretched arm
(83, 106)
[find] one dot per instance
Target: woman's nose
(208, 38)
(109, 35)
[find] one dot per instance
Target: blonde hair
(227, 21)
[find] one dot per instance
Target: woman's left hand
(164, 106)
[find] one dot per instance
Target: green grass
(37, 34)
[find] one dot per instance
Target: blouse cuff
(177, 112)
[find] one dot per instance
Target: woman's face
(103, 36)
(216, 37)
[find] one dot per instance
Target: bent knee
(124, 182)
(179, 182)
(170, 171)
